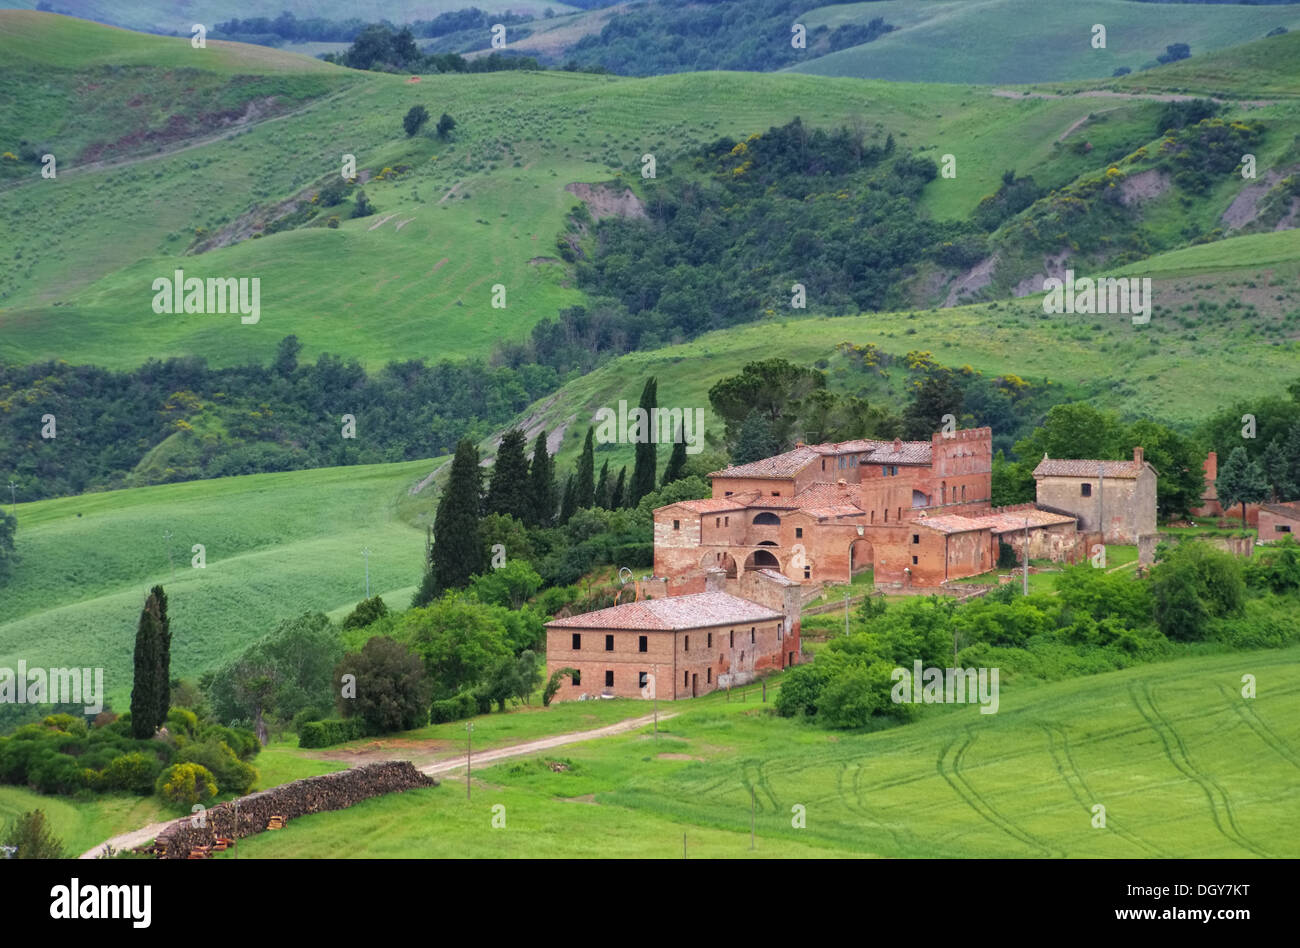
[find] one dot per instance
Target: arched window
(767, 518)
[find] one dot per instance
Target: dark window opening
(677, 524)
(642, 679)
(609, 643)
(807, 572)
(798, 532)
(1085, 490)
(577, 641)
(916, 538)
(686, 644)
(609, 679)
(577, 677)
(914, 561)
(710, 642)
(708, 676)
(643, 644)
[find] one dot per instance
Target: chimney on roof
(1137, 455)
(798, 444)
(844, 485)
(715, 580)
(898, 445)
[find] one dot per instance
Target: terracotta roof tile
(716, 504)
(700, 610)
(1058, 467)
(951, 523)
(782, 465)
(1290, 509)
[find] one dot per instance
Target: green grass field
(1184, 766)
(1019, 41)
(276, 545)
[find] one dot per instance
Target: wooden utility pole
(469, 753)
(1026, 571)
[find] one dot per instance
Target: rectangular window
(916, 538)
(1085, 490)
(577, 677)
(914, 561)
(609, 678)
(752, 633)
(726, 521)
(893, 471)
(710, 642)
(884, 471)
(677, 524)
(717, 521)
(643, 643)
(776, 493)
(778, 631)
(733, 638)
(798, 532)
(807, 572)
(577, 641)
(642, 679)
(708, 676)
(609, 643)
(686, 643)
(1282, 528)
(727, 493)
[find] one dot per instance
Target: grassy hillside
(1226, 311)
(178, 15)
(994, 41)
(1183, 765)
(276, 545)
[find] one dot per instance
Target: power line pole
(366, 554)
(469, 764)
(1026, 574)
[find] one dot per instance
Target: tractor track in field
(900, 838)
(964, 789)
(1220, 807)
(1250, 717)
(1065, 759)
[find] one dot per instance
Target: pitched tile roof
(951, 523)
(1290, 509)
(1056, 467)
(1009, 522)
(909, 452)
(717, 504)
(700, 610)
(782, 465)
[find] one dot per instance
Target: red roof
(1055, 467)
(701, 610)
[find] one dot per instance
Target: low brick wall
(335, 791)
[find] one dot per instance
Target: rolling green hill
(1021, 41)
(415, 279)
(276, 545)
(1184, 766)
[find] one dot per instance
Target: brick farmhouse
(741, 564)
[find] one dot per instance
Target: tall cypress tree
(164, 669)
(541, 485)
(676, 468)
(152, 649)
(428, 590)
(457, 547)
(508, 490)
(647, 450)
(586, 487)
(570, 502)
(602, 487)
(618, 494)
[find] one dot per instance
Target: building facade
(1116, 499)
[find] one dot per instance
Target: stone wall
(334, 791)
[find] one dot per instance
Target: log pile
(337, 791)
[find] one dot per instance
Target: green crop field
(276, 545)
(1184, 766)
(995, 41)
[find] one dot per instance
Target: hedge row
(335, 731)
(464, 705)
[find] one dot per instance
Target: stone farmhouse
(1277, 521)
(742, 563)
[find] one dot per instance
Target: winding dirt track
(144, 834)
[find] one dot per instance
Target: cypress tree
(428, 590)
(146, 695)
(676, 468)
(617, 494)
(570, 502)
(457, 548)
(508, 490)
(164, 669)
(586, 487)
(647, 451)
(602, 487)
(541, 485)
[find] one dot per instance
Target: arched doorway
(722, 561)
(762, 559)
(861, 556)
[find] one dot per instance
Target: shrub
(367, 611)
(134, 772)
(186, 784)
(463, 705)
(333, 731)
(231, 774)
(31, 835)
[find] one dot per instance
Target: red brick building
(679, 647)
(1279, 520)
